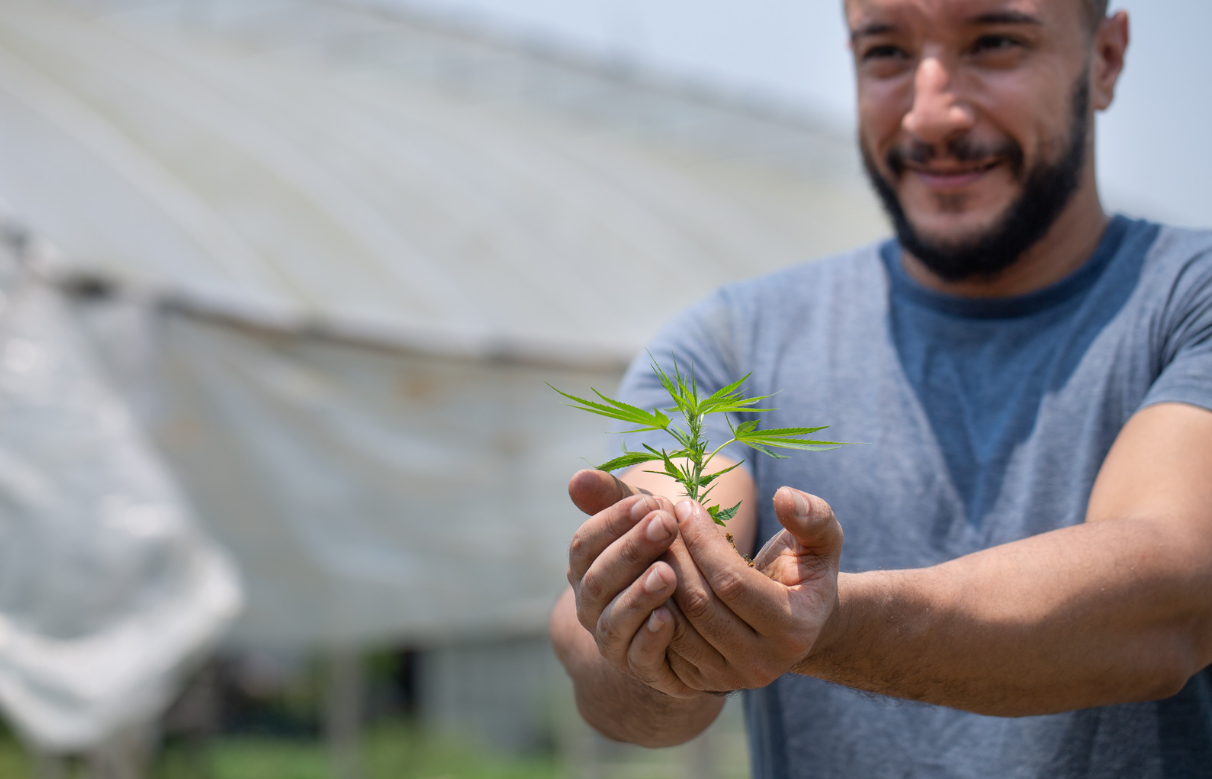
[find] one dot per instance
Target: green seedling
(689, 464)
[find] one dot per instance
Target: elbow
(1164, 683)
(1172, 662)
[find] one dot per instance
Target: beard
(1046, 190)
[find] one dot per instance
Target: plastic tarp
(108, 589)
(368, 495)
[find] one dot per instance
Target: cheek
(880, 113)
(1022, 114)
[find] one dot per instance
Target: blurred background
(282, 488)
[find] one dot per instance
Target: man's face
(973, 122)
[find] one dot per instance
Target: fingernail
(683, 510)
(655, 621)
(801, 505)
(657, 530)
(642, 508)
(654, 582)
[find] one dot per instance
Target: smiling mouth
(951, 176)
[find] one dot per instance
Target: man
(1027, 568)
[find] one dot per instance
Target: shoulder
(841, 279)
(1175, 251)
(1177, 269)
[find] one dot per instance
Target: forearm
(1101, 613)
(616, 705)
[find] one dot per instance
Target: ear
(1107, 63)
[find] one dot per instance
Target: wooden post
(343, 713)
(48, 766)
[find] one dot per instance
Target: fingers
(719, 593)
(609, 526)
(630, 609)
(593, 491)
(646, 655)
(635, 630)
(811, 521)
(623, 559)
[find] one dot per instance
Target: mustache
(962, 149)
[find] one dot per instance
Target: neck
(1066, 246)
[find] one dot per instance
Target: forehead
(861, 14)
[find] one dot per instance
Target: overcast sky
(1154, 158)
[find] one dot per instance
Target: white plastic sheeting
(368, 495)
(107, 587)
(312, 162)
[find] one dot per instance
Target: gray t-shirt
(984, 422)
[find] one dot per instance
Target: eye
(884, 60)
(883, 52)
(995, 43)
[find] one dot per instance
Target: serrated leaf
(785, 431)
(648, 421)
(745, 427)
(765, 451)
(803, 446)
(784, 437)
(627, 460)
(729, 389)
(720, 516)
(723, 515)
(638, 412)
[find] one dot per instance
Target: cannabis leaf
(688, 463)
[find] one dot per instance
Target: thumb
(810, 521)
(593, 491)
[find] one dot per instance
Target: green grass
(14, 761)
(391, 751)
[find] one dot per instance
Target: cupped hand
(741, 627)
(619, 580)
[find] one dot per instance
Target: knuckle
(630, 555)
(590, 592)
(632, 549)
(729, 584)
(576, 551)
(577, 547)
(695, 603)
(606, 633)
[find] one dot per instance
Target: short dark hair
(1096, 11)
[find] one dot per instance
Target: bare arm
(614, 625)
(616, 704)
(1114, 610)
(1117, 609)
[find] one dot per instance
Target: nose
(938, 114)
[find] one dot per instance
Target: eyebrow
(993, 17)
(1007, 17)
(874, 28)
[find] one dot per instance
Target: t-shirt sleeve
(698, 344)
(1186, 364)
